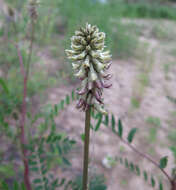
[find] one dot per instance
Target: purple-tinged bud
(82, 91)
(98, 84)
(105, 85)
(80, 103)
(98, 97)
(107, 77)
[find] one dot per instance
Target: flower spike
(90, 63)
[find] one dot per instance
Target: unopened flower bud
(32, 8)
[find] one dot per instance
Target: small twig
(86, 149)
(146, 157)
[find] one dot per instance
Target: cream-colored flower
(90, 63)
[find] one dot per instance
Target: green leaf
(73, 95)
(67, 100)
(160, 186)
(23, 186)
(59, 149)
(34, 169)
(138, 170)
(173, 149)
(99, 122)
(44, 170)
(49, 138)
(7, 170)
(153, 182)
(97, 115)
(65, 161)
(5, 186)
(53, 149)
(4, 85)
(126, 163)
(38, 180)
(131, 166)
(145, 175)
(55, 183)
(55, 109)
(40, 187)
(83, 137)
(15, 186)
(120, 128)
(72, 142)
(62, 104)
(113, 123)
(62, 182)
(163, 162)
(32, 163)
(53, 127)
(131, 135)
(106, 122)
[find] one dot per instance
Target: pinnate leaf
(131, 134)
(163, 162)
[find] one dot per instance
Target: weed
(159, 32)
(135, 102)
(154, 121)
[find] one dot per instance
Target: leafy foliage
(97, 182)
(15, 186)
(47, 151)
(137, 171)
(4, 85)
(134, 168)
(39, 164)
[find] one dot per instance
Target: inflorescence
(90, 63)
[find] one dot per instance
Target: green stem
(86, 149)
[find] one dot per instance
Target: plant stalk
(173, 185)
(30, 48)
(23, 140)
(86, 149)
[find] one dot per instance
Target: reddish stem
(173, 184)
(23, 139)
(148, 158)
(21, 61)
(171, 181)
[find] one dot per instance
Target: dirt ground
(153, 102)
